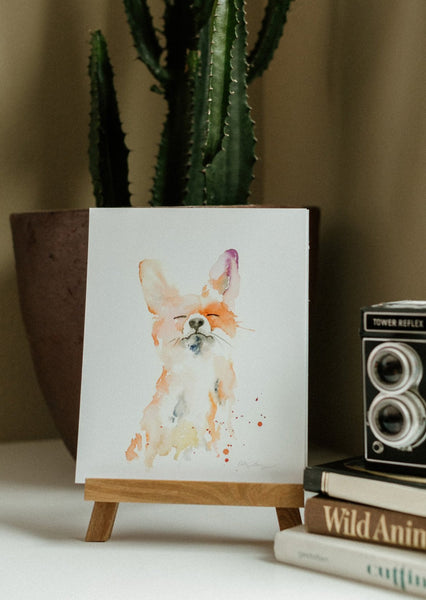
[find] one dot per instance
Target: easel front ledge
(108, 493)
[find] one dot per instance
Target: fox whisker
(220, 338)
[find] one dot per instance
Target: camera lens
(390, 420)
(394, 366)
(398, 421)
(389, 369)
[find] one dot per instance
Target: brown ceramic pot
(51, 265)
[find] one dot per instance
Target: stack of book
(363, 525)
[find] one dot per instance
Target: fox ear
(224, 276)
(155, 288)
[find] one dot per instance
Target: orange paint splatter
(213, 432)
(226, 451)
(162, 386)
(135, 444)
(260, 424)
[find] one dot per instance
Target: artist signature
(252, 464)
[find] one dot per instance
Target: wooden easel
(108, 493)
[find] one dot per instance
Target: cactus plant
(202, 68)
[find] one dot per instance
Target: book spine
(400, 570)
(365, 523)
(367, 490)
(312, 480)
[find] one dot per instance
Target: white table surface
(155, 552)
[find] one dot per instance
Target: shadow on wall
(372, 242)
(53, 98)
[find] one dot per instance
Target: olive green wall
(341, 123)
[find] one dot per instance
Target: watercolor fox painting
(192, 404)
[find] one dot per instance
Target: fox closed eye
(185, 316)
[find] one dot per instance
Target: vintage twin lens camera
(394, 361)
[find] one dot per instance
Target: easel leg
(101, 521)
(288, 517)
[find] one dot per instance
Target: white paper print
(195, 350)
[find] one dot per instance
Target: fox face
(193, 334)
(195, 323)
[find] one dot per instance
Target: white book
(393, 568)
(350, 479)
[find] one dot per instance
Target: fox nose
(196, 323)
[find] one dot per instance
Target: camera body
(394, 364)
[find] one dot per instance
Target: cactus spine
(206, 153)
